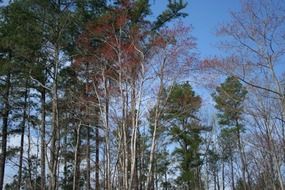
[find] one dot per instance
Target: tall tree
(229, 99)
(181, 109)
(118, 45)
(19, 45)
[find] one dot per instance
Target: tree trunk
(65, 171)
(218, 179)
(5, 116)
(88, 132)
(215, 180)
(54, 150)
(43, 139)
(107, 138)
(223, 175)
(242, 157)
(88, 160)
(30, 164)
(23, 125)
(133, 137)
(165, 179)
(76, 173)
(232, 173)
(153, 147)
(97, 140)
(151, 159)
(156, 120)
(155, 173)
(125, 151)
(97, 183)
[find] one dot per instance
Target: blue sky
(205, 16)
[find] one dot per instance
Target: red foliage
(210, 63)
(113, 44)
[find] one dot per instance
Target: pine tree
(19, 46)
(181, 111)
(229, 98)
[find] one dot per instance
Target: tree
(181, 109)
(229, 99)
(19, 47)
(254, 56)
(118, 46)
(213, 164)
(227, 142)
(173, 60)
(39, 36)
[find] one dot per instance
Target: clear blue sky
(205, 16)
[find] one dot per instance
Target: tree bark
(218, 180)
(5, 116)
(43, 139)
(153, 141)
(54, 150)
(232, 173)
(97, 183)
(152, 152)
(23, 125)
(88, 132)
(215, 180)
(223, 175)
(88, 160)
(30, 164)
(133, 137)
(107, 137)
(76, 173)
(242, 157)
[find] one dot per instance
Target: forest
(113, 95)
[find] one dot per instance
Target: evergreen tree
(181, 112)
(19, 46)
(229, 98)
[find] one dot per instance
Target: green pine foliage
(229, 98)
(181, 111)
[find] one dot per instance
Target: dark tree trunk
(88, 132)
(43, 141)
(6, 111)
(223, 175)
(232, 173)
(88, 160)
(242, 157)
(218, 180)
(30, 165)
(215, 180)
(23, 125)
(76, 173)
(65, 171)
(97, 185)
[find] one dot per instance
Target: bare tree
(255, 54)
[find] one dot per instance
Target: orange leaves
(112, 42)
(118, 44)
(101, 38)
(210, 63)
(121, 20)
